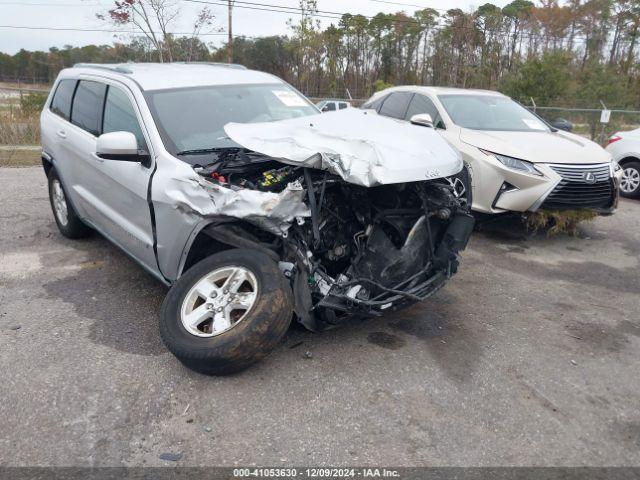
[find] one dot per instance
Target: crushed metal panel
(360, 146)
(274, 212)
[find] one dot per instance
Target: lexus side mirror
(423, 119)
(121, 146)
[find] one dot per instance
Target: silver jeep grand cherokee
(227, 185)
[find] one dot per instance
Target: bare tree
(153, 18)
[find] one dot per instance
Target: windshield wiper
(202, 151)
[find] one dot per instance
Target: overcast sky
(82, 14)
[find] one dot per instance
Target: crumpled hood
(537, 147)
(360, 146)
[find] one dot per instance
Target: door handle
(96, 157)
(62, 134)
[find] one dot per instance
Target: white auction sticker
(290, 99)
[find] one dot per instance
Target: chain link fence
(586, 121)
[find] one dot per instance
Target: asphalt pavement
(529, 356)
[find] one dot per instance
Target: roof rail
(237, 66)
(111, 68)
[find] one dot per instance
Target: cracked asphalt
(529, 356)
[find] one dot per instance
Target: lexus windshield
(192, 120)
(491, 112)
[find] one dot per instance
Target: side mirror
(423, 119)
(121, 146)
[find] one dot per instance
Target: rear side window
(396, 105)
(119, 116)
(61, 102)
(342, 105)
(86, 111)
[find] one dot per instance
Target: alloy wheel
(219, 301)
(630, 180)
(59, 202)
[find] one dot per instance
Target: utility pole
(230, 30)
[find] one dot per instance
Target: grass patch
(558, 221)
(20, 158)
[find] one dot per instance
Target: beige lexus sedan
(516, 161)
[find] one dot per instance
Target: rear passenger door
(77, 141)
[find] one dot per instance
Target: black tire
(74, 227)
(246, 342)
(636, 192)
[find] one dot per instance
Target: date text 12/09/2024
(315, 473)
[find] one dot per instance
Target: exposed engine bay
(363, 250)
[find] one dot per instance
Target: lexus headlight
(515, 163)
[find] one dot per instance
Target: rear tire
(239, 342)
(65, 216)
(630, 185)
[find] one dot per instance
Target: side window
(61, 102)
(342, 105)
(86, 111)
(422, 104)
(396, 105)
(119, 116)
(375, 104)
(329, 107)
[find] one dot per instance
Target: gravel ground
(529, 356)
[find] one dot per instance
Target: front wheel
(227, 312)
(630, 182)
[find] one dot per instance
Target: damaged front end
(347, 249)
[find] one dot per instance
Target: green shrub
(32, 103)
(381, 85)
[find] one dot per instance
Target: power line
(49, 4)
(42, 4)
(257, 6)
(339, 15)
(72, 29)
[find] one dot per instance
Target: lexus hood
(537, 147)
(360, 146)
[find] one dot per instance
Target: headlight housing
(515, 163)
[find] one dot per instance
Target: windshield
(193, 119)
(490, 112)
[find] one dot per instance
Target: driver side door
(123, 186)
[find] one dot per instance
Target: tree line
(576, 53)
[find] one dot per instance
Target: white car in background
(332, 105)
(625, 149)
(517, 162)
